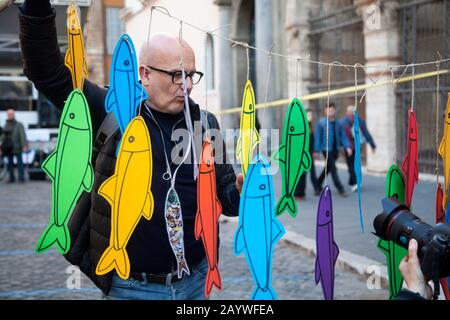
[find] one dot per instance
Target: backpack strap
(107, 129)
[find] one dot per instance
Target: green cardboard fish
(70, 170)
(293, 155)
(395, 187)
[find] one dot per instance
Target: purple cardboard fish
(326, 249)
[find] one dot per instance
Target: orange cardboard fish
(75, 59)
(207, 219)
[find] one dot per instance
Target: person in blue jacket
(336, 140)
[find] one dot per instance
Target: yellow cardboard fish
(128, 192)
(248, 135)
(75, 59)
(444, 148)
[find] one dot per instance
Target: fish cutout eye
(292, 128)
(131, 139)
(250, 107)
(72, 115)
(327, 213)
(262, 187)
(208, 163)
(448, 115)
(126, 62)
(72, 27)
(395, 195)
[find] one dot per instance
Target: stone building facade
(369, 32)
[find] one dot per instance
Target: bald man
(153, 263)
(160, 71)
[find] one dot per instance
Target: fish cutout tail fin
(213, 277)
(68, 59)
(118, 148)
(183, 267)
(255, 138)
(114, 259)
(383, 245)
(239, 149)
(58, 235)
(198, 228)
(286, 202)
(317, 273)
(239, 241)
(260, 294)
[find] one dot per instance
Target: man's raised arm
(44, 64)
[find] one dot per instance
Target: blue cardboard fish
(447, 214)
(124, 94)
(357, 164)
(258, 229)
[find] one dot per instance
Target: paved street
(347, 229)
(24, 213)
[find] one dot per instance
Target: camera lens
(383, 222)
(396, 223)
(406, 226)
(380, 225)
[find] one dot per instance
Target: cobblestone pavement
(24, 211)
(293, 274)
(347, 229)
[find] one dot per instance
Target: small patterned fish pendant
(174, 225)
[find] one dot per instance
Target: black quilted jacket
(90, 222)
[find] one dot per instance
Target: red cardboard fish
(410, 165)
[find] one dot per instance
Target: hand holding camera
(411, 272)
(430, 251)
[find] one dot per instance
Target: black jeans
(20, 167)
(351, 168)
(331, 168)
(301, 186)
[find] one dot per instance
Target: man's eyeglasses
(177, 76)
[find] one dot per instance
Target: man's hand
(5, 4)
(349, 151)
(315, 156)
(239, 182)
(410, 269)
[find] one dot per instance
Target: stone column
(381, 44)
(264, 40)
(226, 89)
(298, 44)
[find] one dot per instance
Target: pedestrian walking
(301, 186)
(14, 142)
(336, 139)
